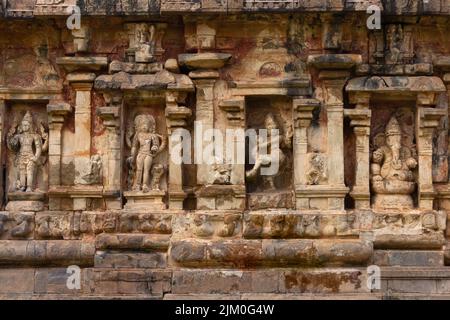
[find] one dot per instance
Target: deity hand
(378, 156)
(131, 161)
(12, 130)
(411, 163)
(377, 178)
(154, 150)
(34, 159)
(44, 134)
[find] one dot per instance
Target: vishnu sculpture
(29, 147)
(393, 181)
(145, 145)
(269, 153)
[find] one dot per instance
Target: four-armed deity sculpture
(145, 145)
(28, 146)
(393, 181)
(274, 156)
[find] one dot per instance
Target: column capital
(110, 116)
(430, 117)
(234, 109)
(177, 116)
(57, 111)
(359, 118)
(303, 111)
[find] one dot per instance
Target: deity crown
(393, 128)
(27, 117)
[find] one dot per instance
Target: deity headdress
(270, 121)
(393, 128)
(144, 118)
(29, 119)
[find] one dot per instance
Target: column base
(362, 199)
(221, 197)
(320, 197)
(25, 201)
(152, 200)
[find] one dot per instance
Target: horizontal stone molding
(247, 253)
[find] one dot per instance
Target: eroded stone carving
(30, 147)
(275, 154)
(93, 173)
(317, 169)
(145, 145)
(393, 181)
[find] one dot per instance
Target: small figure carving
(203, 227)
(222, 174)
(393, 180)
(28, 146)
(145, 145)
(145, 41)
(93, 174)
(316, 173)
(230, 223)
(23, 227)
(274, 144)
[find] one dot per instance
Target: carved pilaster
(176, 117)
(56, 116)
(360, 121)
(427, 121)
(303, 115)
(110, 114)
(2, 116)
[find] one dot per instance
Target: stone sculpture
(29, 147)
(274, 145)
(145, 145)
(393, 181)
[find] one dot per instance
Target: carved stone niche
(146, 155)
(269, 164)
(398, 164)
(27, 142)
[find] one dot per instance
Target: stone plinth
(25, 201)
(152, 200)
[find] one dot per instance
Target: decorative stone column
(204, 75)
(2, 117)
(427, 121)
(111, 115)
(56, 115)
(177, 117)
(81, 77)
(303, 114)
(360, 121)
(82, 84)
(334, 73)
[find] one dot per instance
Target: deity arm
(378, 156)
(44, 136)
(288, 137)
(163, 143)
(38, 146)
(411, 161)
(135, 147)
(13, 142)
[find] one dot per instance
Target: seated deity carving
(29, 147)
(274, 155)
(393, 181)
(145, 145)
(145, 38)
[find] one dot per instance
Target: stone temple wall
(90, 123)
